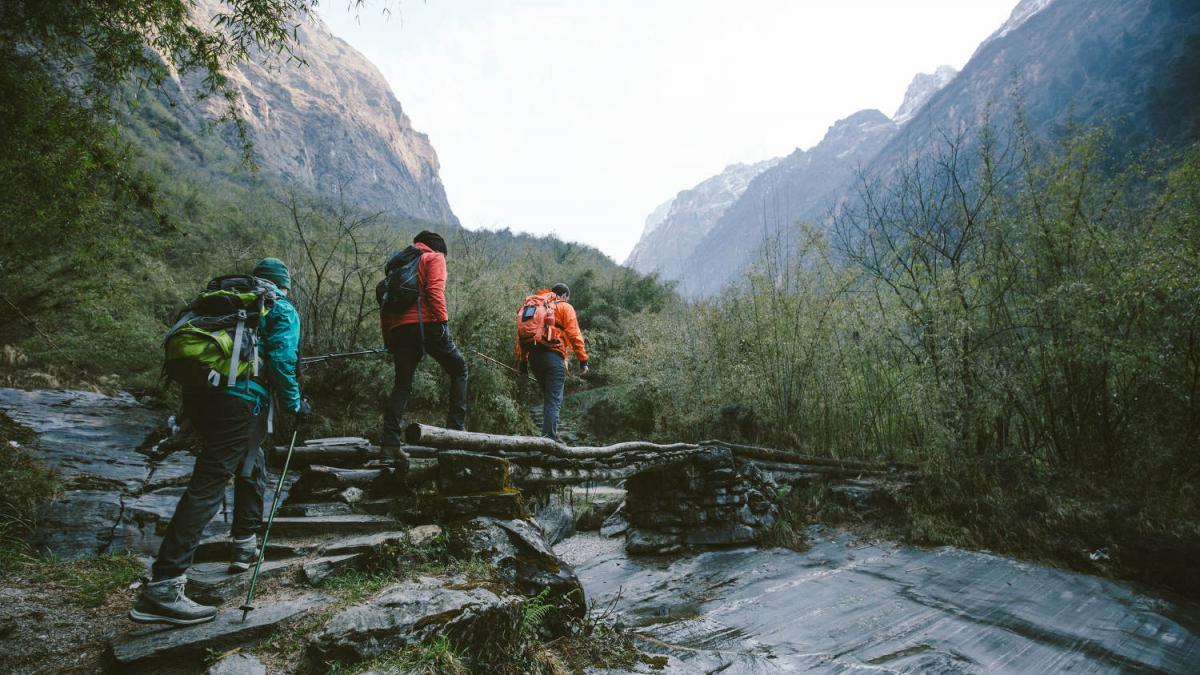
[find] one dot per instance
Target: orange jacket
(568, 325)
(431, 277)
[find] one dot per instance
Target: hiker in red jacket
(546, 329)
(408, 337)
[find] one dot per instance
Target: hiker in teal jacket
(232, 422)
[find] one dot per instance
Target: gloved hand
(584, 366)
(304, 412)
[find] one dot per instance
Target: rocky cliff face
(675, 228)
(1130, 65)
(333, 126)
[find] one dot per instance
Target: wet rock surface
(114, 497)
(849, 605)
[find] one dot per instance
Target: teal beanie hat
(273, 270)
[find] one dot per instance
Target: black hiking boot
(164, 602)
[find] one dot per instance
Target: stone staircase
(335, 518)
(348, 509)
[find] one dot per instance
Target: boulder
(469, 473)
(519, 554)
(556, 519)
(408, 612)
(615, 525)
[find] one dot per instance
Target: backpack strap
(235, 357)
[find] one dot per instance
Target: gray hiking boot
(244, 554)
(396, 455)
(164, 602)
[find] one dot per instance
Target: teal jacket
(279, 346)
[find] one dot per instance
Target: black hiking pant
(404, 342)
(549, 368)
(232, 431)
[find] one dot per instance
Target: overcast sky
(579, 117)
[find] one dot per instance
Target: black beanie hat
(431, 239)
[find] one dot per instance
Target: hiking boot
(396, 455)
(164, 602)
(244, 554)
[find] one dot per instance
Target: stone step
(159, 648)
(216, 549)
(375, 507)
(315, 571)
(373, 543)
(332, 525)
(213, 584)
(313, 509)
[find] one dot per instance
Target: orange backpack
(535, 321)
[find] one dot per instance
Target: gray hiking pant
(550, 370)
(232, 430)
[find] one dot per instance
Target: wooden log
(438, 437)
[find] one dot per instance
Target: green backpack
(214, 341)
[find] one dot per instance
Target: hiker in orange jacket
(418, 330)
(548, 360)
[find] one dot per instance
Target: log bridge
(675, 495)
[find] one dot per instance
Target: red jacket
(431, 277)
(568, 326)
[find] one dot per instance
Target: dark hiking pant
(404, 342)
(550, 369)
(232, 430)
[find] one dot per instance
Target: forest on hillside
(1020, 319)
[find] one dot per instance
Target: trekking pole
(502, 364)
(262, 552)
(309, 360)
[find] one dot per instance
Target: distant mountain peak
(921, 89)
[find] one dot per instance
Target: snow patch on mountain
(920, 90)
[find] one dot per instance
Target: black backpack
(400, 289)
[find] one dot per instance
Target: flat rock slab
(213, 584)
(157, 648)
(315, 509)
(332, 525)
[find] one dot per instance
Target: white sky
(578, 117)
